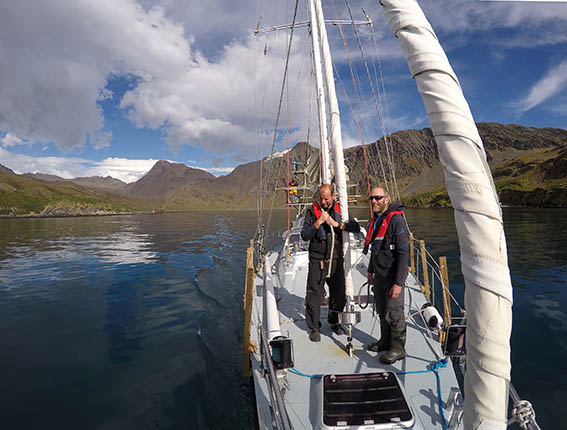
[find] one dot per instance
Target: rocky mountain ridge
(529, 166)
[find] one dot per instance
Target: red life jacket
(317, 209)
(381, 230)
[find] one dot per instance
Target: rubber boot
(385, 335)
(397, 350)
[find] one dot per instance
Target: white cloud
(58, 55)
(126, 170)
(11, 140)
(196, 87)
(217, 170)
(58, 69)
(66, 167)
(472, 16)
(550, 85)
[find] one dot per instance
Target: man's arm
(352, 226)
(401, 252)
(370, 271)
(311, 225)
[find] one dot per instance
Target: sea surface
(135, 322)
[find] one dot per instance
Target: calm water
(135, 322)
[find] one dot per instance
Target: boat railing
(280, 416)
(279, 413)
(432, 275)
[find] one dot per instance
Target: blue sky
(108, 87)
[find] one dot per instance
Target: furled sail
(478, 217)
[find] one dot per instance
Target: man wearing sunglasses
(323, 229)
(388, 241)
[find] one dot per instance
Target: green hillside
(20, 195)
(537, 178)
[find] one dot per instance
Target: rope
(297, 372)
(367, 295)
(281, 99)
(332, 251)
(371, 160)
(436, 273)
(434, 368)
(523, 413)
(385, 133)
(357, 103)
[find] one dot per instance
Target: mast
(324, 144)
(478, 217)
(336, 139)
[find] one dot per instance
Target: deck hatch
(357, 400)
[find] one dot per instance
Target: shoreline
(39, 216)
(27, 216)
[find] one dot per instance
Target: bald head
(326, 195)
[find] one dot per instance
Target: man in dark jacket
(323, 229)
(388, 240)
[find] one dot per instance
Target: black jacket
(320, 239)
(389, 257)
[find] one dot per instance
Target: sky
(108, 87)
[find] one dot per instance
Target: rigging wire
(373, 168)
(355, 98)
(383, 123)
(288, 148)
(265, 190)
(365, 62)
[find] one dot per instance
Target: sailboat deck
(303, 398)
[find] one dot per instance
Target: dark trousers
(392, 310)
(316, 290)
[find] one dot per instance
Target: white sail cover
(478, 217)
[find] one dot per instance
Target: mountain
(529, 166)
(24, 195)
(537, 179)
(413, 156)
(4, 169)
(107, 183)
(45, 177)
(166, 179)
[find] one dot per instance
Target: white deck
(303, 394)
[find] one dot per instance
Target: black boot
(385, 336)
(397, 350)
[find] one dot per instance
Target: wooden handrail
(412, 254)
(248, 294)
(426, 288)
(446, 294)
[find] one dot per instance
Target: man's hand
(370, 277)
(395, 291)
(322, 218)
(332, 222)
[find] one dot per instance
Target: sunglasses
(377, 198)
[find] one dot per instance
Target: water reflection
(121, 322)
(125, 248)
